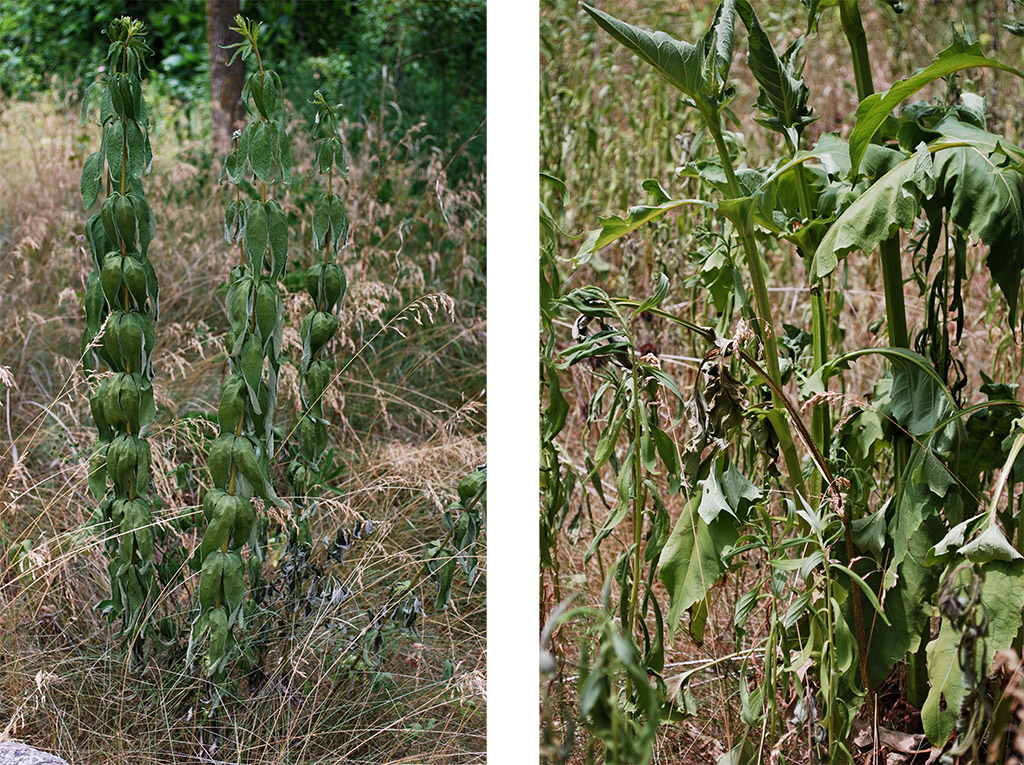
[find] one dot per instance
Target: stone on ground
(13, 753)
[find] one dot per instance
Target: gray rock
(13, 753)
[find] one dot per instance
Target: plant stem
(639, 501)
(853, 28)
(892, 279)
(766, 325)
(819, 330)
(896, 318)
(895, 310)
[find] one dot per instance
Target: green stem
(853, 28)
(895, 309)
(896, 318)
(892, 279)
(639, 500)
(766, 324)
(819, 331)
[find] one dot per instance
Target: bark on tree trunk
(225, 81)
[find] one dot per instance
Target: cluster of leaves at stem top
(852, 581)
(240, 456)
(121, 304)
(325, 283)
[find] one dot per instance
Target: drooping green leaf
(890, 204)
(908, 606)
(982, 187)
(875, 108)
(256, 234)
(261, 149)
(712, 499)
(990, 544)
(277, 225)
(339, 222)
(693, 559)
(919, 400)
(251, 366)
(284, 152)
(869, 531)
(92, 173)
(321, 220)
(726, 489)
(915, 385)
(1002, 595)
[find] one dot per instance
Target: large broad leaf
(875, 108)
(887, 206)
(693, 559)
(783, 92)
(972, 174)
(914, 505)
(920, 401)
(982, 187)
(686, 66)
(726, 489)
(908, 606)
(986, 430)
(990, 544)
(1002, 594)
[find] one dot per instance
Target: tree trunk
(225, 81)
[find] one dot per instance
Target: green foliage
(463, 521)
(240, 457)
(325, 285)
(365, 54)
(121, 308)
(853, 525)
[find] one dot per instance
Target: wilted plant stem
(757, 270)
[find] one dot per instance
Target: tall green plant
(121, 307)
(325, 284)
(240, 457)
(852, 581)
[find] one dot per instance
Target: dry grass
(408, 413)
(607, 123)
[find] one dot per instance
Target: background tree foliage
(362, 53)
